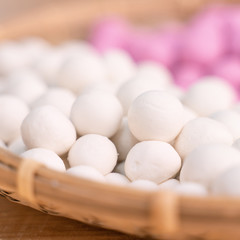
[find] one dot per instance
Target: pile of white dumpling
(118, 122)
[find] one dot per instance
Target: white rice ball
(227, 183)
(209, 95)
(120, 66)
(229, 118)
(191, 189)
(34, 48)
(201, 131)
(48, 65)
(145, 80)
(46, 127)
(153, 70)
(96, 112)
(46, 157)
(169, 184)
(207, 162)
(86, 172)
(152, 160)
(12, 112)
(26, 85)
(116, 179)
(12, 57)
(81, 71)
(94, 150)
(156, 115)
(143, 184)
(60, 98)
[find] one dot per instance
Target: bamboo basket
(161, 215)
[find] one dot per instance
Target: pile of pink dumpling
(209, 44)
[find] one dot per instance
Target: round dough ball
(201, 131)
(96, 112)
(116, 179)
(191, 189)
(169, 184)
(227, 183)
(152, 160)
(81, 71)
(134, 87)
(120, 66)
(207, 162)
(143, 184)
(60, 98)
(209, 95)
(17, 146)
(76, 47)
(47, 157)
(48, 65)
(156, 115)
(12, 112)
(26, 85)
(12, 57)
(34, 48)
(46, 127)
(153, 70)
(94, 150)
(86, 172)
(230, 119)
(123, 140)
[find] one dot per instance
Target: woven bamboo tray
(162, 215)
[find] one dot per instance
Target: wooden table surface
(20, 222)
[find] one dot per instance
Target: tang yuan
(12, 112)
(96, 112)
(207, 162)
(144, 185)
(46, 157)
(209, 95)
(152, 160)
(94, 150)
(60, 98)
(46, 127)
(81, 71)
(25, 84)
(116, 179)
(201, 131)
(86, 172)
(227, 183)
(230, 119)
(156, 115)
(149, 77)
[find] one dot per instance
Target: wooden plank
(20, 222)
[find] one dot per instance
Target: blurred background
(57, 20)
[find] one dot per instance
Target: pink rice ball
(233, 19)
(187, 73)
(228, 68)
(160, 46)
(108, 33)
(205, 40)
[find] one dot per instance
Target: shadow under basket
(162, 214)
